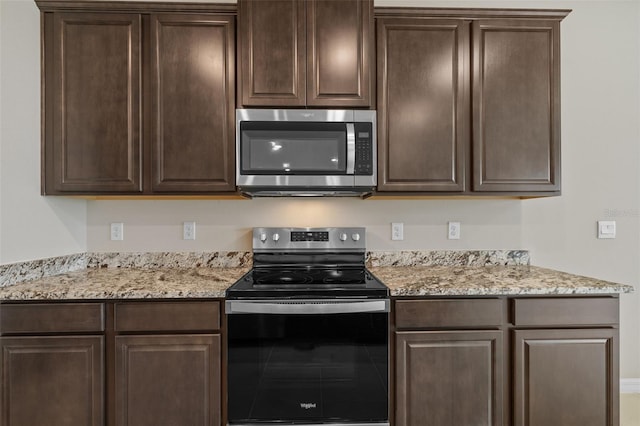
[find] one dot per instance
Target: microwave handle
(351, 148)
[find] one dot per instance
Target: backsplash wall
(223, 225)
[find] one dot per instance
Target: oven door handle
(306, 307)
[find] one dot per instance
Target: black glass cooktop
(307, 282)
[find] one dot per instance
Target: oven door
(308, 362)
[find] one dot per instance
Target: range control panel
(318, 239)
(309, 236)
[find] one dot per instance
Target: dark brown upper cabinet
(468, 104)
(306, 53)
(192, 102)
(92, 103)
(516, 105)
(138, 103)
(423, 93)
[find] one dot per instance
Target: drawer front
(51, 318)
(563, 311)
(167, 316)
(439, 313)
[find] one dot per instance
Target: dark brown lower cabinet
(167, 363)
(566, 377)
(449, 378)
(167, 380)
(52, 380)
(522, 361)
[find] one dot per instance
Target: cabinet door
(422, 104)
(92, 103)
(449, 378)
(168, 380)
(339, 53)
(516, 105)
(566, 377)
(54, 381)
(272, 52)
(192, 102)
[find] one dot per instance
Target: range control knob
(276, 237)
(343, 237)
(263, 237)
(355, 237)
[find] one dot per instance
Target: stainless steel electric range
(308, 332)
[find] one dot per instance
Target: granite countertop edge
(403, 281)
(521, 280)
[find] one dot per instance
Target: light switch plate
(606, 229)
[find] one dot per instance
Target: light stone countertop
(204, 282)
(127, 283)
(489, 280)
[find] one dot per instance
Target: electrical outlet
(454, 231)
(189, 231)
(117, 231)
(397, 231)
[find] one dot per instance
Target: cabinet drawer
(563, 311)
(52, 318)
(449, 313)
(167, 316)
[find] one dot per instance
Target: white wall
(31, 226)
(601, 158)
(226, 225)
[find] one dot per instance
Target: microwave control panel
(364, 149)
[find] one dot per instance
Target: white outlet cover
(453, 230)
(117, 231)
(189, 231)
(397, 231)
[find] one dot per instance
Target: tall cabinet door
(55, 380)
(516, 105)
(272, 52)
(168, 380)
(423, 94)
(566, 377)
(192, 103)
(92, 103)
(451, 378)
(339, 53)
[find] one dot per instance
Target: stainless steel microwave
(283, 152)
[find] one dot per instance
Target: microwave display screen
(313, 149)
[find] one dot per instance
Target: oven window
(307, 368)
(293, 148)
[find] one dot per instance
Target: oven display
(309, 236)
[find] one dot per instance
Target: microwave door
(292, 149)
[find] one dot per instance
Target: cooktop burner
(309, 284)
(311, 276)
(308, 263)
